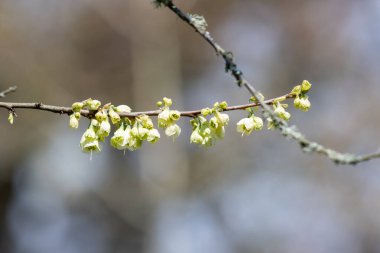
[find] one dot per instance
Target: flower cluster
(132, 129)
(130, 133)
(98, 129)
(206, 132)
(302, 100)
(245, 126)
(167, 118)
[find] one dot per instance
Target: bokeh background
(254, 194)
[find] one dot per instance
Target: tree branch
(286, 130)
(9, 90)
(89, 114)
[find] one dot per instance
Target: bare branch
(9, 90)
(288, 131)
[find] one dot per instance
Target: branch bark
(89, 114)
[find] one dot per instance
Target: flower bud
(167, 101)
(10, 118)
(101, 115)
(223, 105)
(77, 115)
(77, 106)
(206, 111)
(296, 90)
(93, 104)
(115, 118)
(123, 109)
(74, 122)
(174, 115)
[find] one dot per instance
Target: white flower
(74, 122)
(104, 128)
(195, 137)
(173, 131)
(153, 136)
(245, 126)
(123, 109)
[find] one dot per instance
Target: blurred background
(254, 194)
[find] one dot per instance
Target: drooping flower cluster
(167, 118)
(98, 129)
(302, 100)
(130, 133)
(245, 126)
(206, 132)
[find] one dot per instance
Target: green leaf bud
(296, 90)
(305, 86)
(223, 105)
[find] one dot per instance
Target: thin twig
(288, 131)
(9, 90)
(89, 114)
